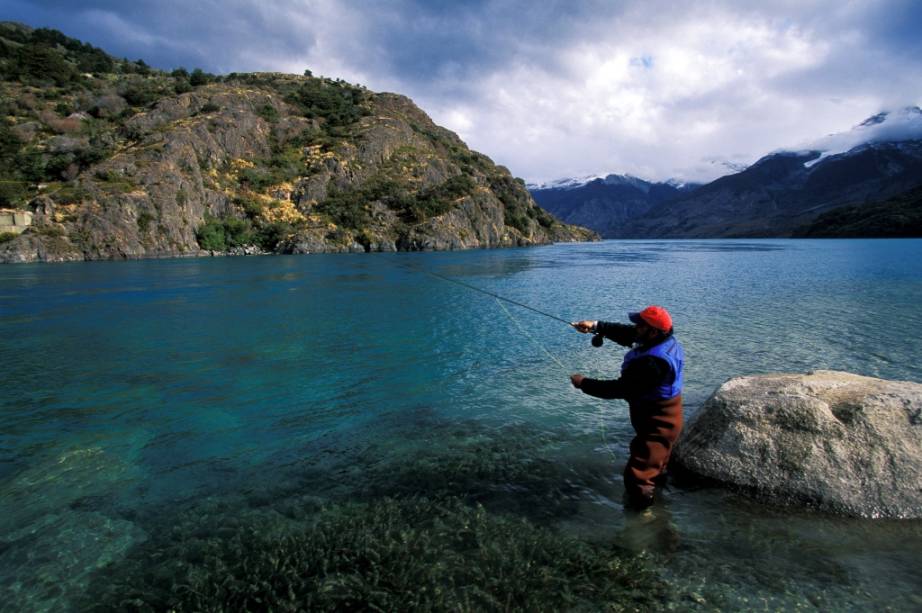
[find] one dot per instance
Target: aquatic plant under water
(406, 554)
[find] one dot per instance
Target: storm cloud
(654, 89)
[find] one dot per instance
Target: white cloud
(649, 88)
(701, 86)
(723, 85)
(892, 126)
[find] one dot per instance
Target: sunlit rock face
(834, 441)
(250, 162)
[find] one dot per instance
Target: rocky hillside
(898, 217)
(117, 160)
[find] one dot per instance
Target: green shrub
(433, 201)
(144, 220)
(268, 112)
(544, 219)
(336, 102)
(52, 231)
(6, 237)
(283, 166)
(220, 234)
(251, 207)
(349, 208)
(211, 236)
(287, 164)
(39, 63)
(200, 77)
(256, 179)
(87, 57)
(141, 93)
(69, 193)
(440, 198)
(346, 208)
(13, 193)
(517, 205)
(270, 235)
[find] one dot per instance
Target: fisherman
(651, 382)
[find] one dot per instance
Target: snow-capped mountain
(875, 161)
(783, 192)
(565, 183)
(897, 126)
(604, 204)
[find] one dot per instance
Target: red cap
(654, 316)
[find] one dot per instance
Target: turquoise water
(132, 390)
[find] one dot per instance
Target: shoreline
(244, 253)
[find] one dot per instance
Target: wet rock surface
(834, 441)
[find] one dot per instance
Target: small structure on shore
(833, 441)
(14, 221)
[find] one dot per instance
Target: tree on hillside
(39, 63)
(200, 77)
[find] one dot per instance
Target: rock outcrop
(147, 164)
(833, 441)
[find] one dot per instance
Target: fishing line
(488, 293)
(532, 338)
(499, 300)
(524, 331)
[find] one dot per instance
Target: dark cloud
(553, 88)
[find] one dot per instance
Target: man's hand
(577, 379)
(585, 326)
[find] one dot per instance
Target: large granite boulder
(833, 441)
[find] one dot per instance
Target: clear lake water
(132, 391)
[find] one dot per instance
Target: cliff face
(248, 163)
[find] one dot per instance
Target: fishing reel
(597, 340)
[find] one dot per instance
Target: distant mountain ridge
(779, 195)
(605, 204)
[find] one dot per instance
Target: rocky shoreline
(250, 250)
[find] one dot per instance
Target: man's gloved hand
(585, 326)
(577, 380)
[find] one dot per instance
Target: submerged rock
(834, 441)
(46, 565)
(58, 482)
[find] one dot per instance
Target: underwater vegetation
(392, 554)
(463, 526)
(513, 469)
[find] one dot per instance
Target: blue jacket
(669, 351)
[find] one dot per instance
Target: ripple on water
(208, 383)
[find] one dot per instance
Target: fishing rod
(597, 339)
(488, 293)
